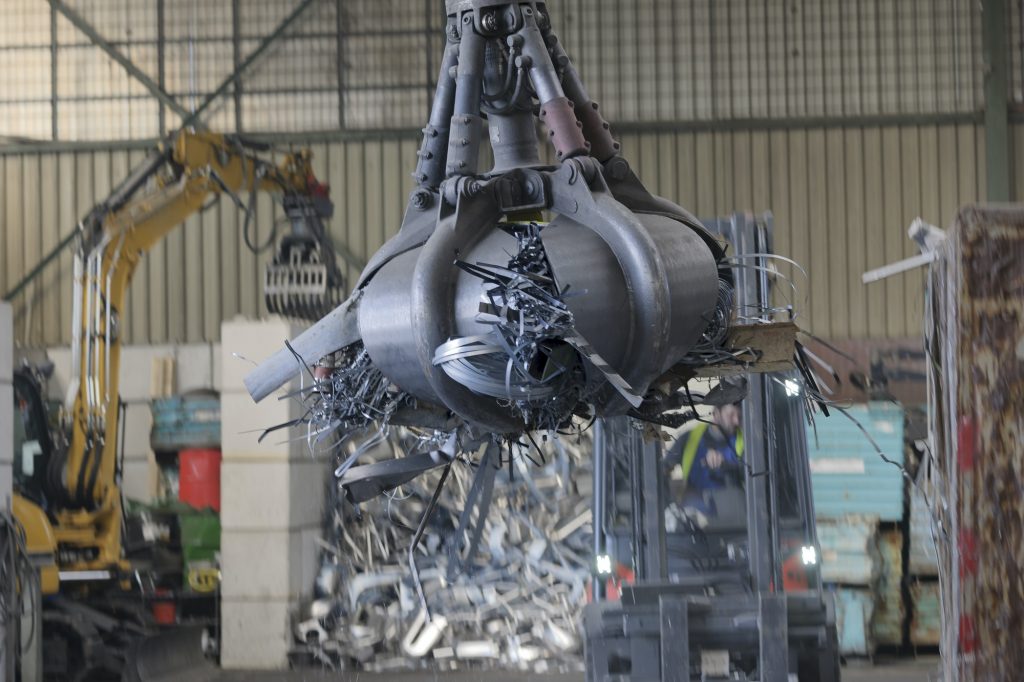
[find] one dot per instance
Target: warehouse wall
(842, 199)
(845, 118)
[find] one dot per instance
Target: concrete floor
(924, 669)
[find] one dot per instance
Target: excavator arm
(84, 501)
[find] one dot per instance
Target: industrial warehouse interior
(577, 340)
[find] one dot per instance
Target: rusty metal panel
(976, 323)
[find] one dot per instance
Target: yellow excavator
(70, 503)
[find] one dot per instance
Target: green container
(200, 542)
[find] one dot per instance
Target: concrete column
(271, 505)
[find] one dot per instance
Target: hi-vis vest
(693, 442)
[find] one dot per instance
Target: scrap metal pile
(502, 592)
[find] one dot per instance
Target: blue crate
(847, 475)
(189, 421)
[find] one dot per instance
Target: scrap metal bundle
(503, 562)
(973, 336)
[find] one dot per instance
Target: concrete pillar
(271, 505)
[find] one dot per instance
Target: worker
(710, 457)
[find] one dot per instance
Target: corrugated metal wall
(842, 199)
(725, 101)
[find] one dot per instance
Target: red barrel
(199, 477)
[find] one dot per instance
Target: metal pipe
(470, 69)
(555, 110)
(466, 125)
(597, 131)
(434, 151)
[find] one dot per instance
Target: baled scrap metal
(973, 335)
(926, 622)
(849, 550)
(515, 599)
(854, 613)
(887, 625)
(922, 559)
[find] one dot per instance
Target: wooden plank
(837, 233)
(818, 262)
(760, 347)
(874, 233)
(893, 229)
(856, 234)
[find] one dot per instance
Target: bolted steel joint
(422, 199)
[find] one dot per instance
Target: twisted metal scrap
(517, 600)
(526, 358)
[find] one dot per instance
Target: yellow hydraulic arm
(86, 524)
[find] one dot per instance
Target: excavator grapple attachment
(303, 280)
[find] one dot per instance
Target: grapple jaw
(303, 280)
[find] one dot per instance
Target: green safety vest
(693, 442)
